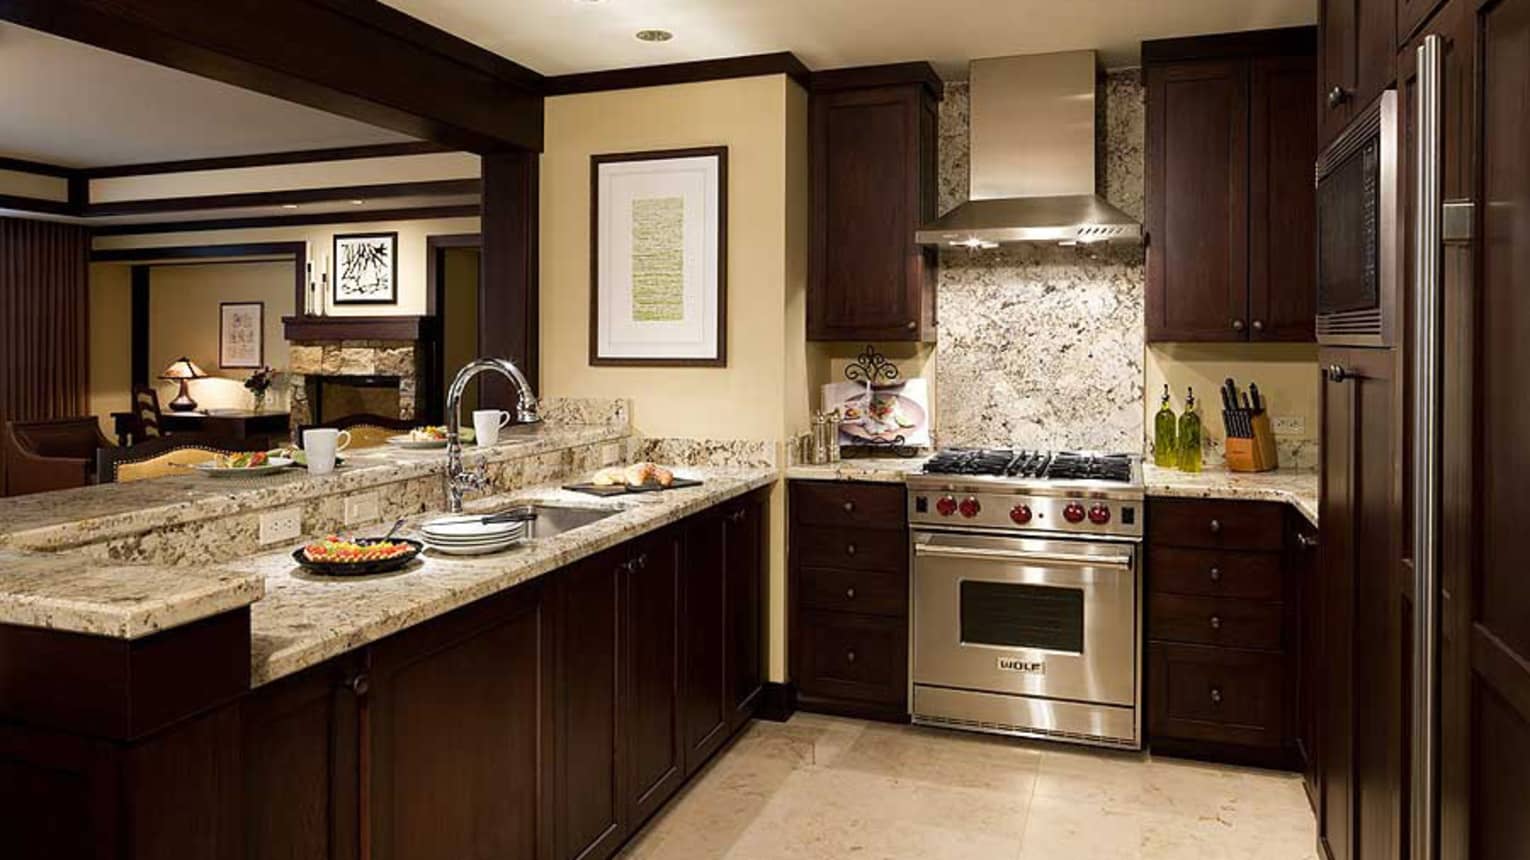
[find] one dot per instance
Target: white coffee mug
(487, 423)
(321, 444)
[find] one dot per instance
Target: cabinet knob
(850, 593)
(1216, 695)
(1237, 325)
(359, 684)
(849, 549)
(850, 656)
(1337, 96)
(737, 516)
(849, 506)
(1307, 541)
(1216, 574)
(1258, 325)
(911, 325)
(1216, 622)
(1216, 526)
(1337, 373)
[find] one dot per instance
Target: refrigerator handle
(1426, 455)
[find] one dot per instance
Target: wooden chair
(166, 455)
(50, 454)
(146, 413)
(367, 431)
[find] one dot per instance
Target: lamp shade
(182, 368)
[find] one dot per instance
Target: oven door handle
(1053, 558)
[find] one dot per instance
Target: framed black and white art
(241, 334)
(366, 269)
(659, 258)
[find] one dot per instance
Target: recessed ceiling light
(289, 205)
(654, 35)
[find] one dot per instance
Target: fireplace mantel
(310, 329)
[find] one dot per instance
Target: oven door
(1026, 617)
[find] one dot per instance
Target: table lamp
(183, 370)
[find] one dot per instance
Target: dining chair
(367, 431)
(166, 455)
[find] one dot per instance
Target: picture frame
(242, 334)
(366, 269)
(659, 258)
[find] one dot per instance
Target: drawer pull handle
(1216, 527)
(1216, 574)
(850, 656)
(850, 594)
(849, 549)
(1216, 695)
(1216, 622)
(849, 506)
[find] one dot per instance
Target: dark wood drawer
(1219, 621)
(1216, 695)
(854, 657)
(849, 547)
(843, 503)
(875, 592)
(1215, 524)
(1214, 573)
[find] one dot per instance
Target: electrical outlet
(362, 508)
(281, 526)
(1289, 425)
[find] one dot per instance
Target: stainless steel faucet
(459, 481)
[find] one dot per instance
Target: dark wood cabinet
(704, 701)
(1301, 561)
(744, 565)
(872, 167)
(1223, 604)
(849, 593)
(1356, 58)
(1230, 202)
(649, 705)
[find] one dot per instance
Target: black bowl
(362, 568)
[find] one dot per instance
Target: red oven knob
(1074, 512)
(1099, 515)
(970, 507)
(1021, 514)
(946, 506)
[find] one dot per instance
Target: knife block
(1255, 454)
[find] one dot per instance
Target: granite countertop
(69, 518)
(1296, 488)
(882, 469)
(303, 620)
(119, 601)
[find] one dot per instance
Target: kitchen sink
(557, 519)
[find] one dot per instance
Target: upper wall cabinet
(1357, 57)
(1230, 206)
(873, 138)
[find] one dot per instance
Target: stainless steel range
(1027, 594)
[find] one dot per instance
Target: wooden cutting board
(623, 489)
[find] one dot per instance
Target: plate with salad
(430, 436)
(244, 464)
(338, 556)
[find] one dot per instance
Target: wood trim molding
(754, 65)
(312, 328)
(1300, 41)
(278, 198)
(40, 168)
(889, 75)
(36, 204)
(195, 252)
(263, 159)
(357, 217)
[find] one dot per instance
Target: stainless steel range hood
(1036, 157)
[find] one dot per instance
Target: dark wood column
(507, 320)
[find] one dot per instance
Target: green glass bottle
(1190, 435)
(1165, 451)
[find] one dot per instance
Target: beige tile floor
(822, 787)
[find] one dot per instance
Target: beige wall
(411, 251)
(1287, 376)
(761, 395)
(111, 372)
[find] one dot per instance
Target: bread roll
(609, 477)
(639, 474)
(665, 477)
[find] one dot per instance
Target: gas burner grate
(970, 461)
(1090, 467)
(1036, 465)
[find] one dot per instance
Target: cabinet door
(650, 702)
(1282, 282)
(455, 716)
(872, 182)
(1336, 67)
(703, 689)
(589, 818)
(1197, 163)
(1375, 49)
(1302, 569)
(745, 590)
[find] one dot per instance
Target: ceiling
(73, 105)
(563, 36)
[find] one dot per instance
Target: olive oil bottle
(1190, 435)
(1165, 450)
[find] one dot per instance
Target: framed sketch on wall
(659, 258)
(366, 269)
(241, 334)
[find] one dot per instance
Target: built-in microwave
(1359, 230)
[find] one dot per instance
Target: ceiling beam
(754, 65)
(360, 216)
(297, 196)
(355, 58)
(266, 159)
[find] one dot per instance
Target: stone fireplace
(335, 378)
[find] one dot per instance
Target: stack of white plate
(469, 535)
